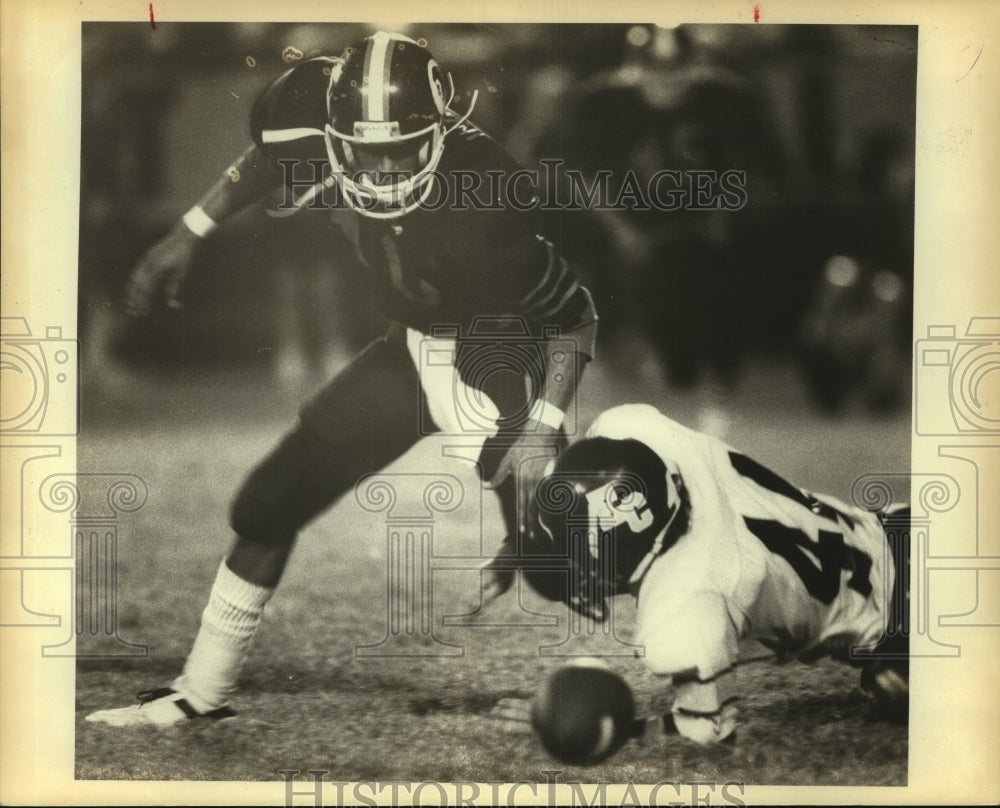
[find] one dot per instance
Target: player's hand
(528, 458)
(653, 728)
(498, 572)
(161, 272)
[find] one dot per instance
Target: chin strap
(447, 107)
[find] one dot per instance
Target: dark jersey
(438, 266)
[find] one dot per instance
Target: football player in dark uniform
(472, 283)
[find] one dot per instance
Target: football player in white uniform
(717, 549)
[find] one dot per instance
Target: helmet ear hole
(437, 86)
(607, 502)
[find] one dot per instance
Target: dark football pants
(369, 415)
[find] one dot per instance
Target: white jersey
(761, 559)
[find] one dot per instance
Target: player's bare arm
(533, 454)
(162, 270)
(527, 456)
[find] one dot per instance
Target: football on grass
(583, 713)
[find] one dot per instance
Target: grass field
(309, 702)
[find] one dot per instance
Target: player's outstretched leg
(275, 501)
(228, 626)
(333, 446)
(266, 520)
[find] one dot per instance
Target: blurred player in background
(378, 127)
(718, 549)
(668, 104)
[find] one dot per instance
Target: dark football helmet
(388, 118)
(606, 507)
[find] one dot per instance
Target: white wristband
(199, 222)
(549, 414)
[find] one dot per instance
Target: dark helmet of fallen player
(388, 118)
(607, 505)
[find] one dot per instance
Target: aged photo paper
(123, 441)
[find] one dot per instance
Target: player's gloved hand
(161, 271)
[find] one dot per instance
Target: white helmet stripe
(376, 74)
(285, 135)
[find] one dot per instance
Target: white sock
(228, 626)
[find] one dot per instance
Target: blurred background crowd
(815, 270)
